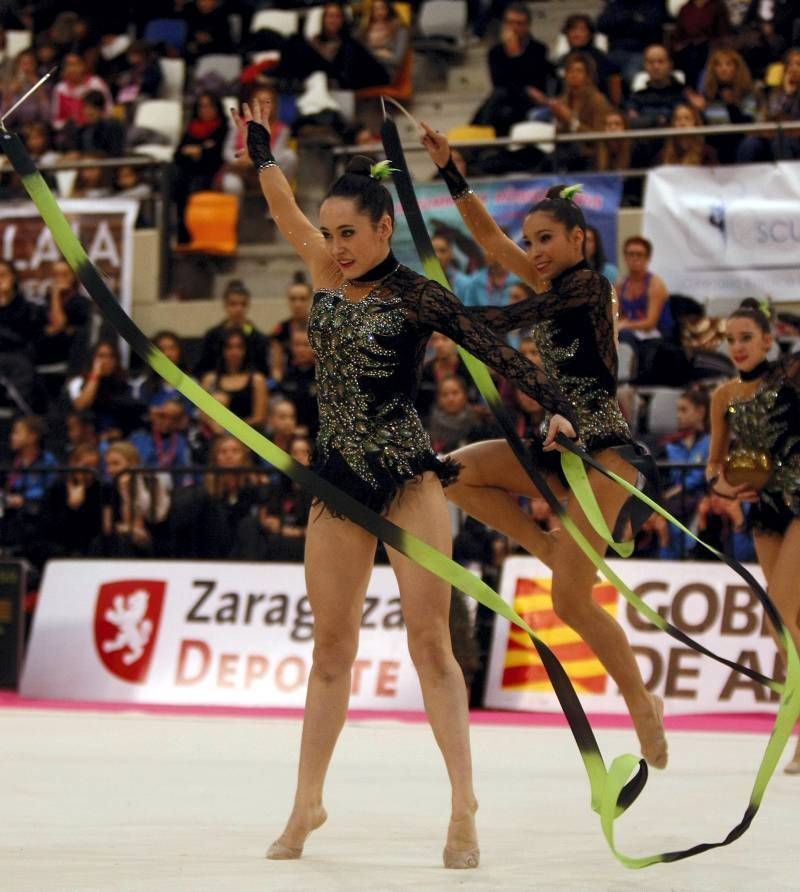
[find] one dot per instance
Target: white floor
(143, 802)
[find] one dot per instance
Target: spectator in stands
(722, 523)
(72, 510)
(21, 325)
(643, 296)
(281, 425)
(445, 363)
(615, 154)
(81, 430)
(24, 75)
(581, 108)
(208, 28)
(488, 287)
(164, 446)
(782, 104)
(596, 254)
(70, 92)
(579, 29)
(236, 303)
(240, 175)
(203, 520)
(105, 390)
(385, 36)
(65, 340)
(139, 78)
(74, 33)
(198, 157)
(94, 181)
(453, 421)
(445, 254)
(97, 133)
(700, 23)
(690, 445)
(38, 139)
(631, 25)
(153, 390)
(691, 150)
(295, 501)
(46, 53)
(299, 384)
(653, 104)
(236, 383)
(298, 297)
(727, 98)
(765, 32)
(519, 71)
(135, 507)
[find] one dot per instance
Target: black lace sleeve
(582, 288)
(437, 309)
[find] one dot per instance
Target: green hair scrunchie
(569, 192)
(382, 170)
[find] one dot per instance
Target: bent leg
(338, 562)
(573, 580)
(422, 510)
(486, 488)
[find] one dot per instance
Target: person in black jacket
(519, 70)
(21, 325)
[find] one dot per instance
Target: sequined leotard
(369, 361)
(573, 326)
(769, 421)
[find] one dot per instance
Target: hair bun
(758, 306)
(360, 165)
(555, 191)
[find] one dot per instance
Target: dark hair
(35, 425)
(700, 398)
(577, 57)
(96, 99)
(750, 308)
(600, 258)
(9, 265)
(343, 34)
(216, 101)
(371, 197)
(456, 379)
(299, 277)
(639, 240)
(519, 9)
(235, 286)
(575, 19)
(565, 210)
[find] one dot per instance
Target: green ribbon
(613, 781)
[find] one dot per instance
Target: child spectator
(198, 157)
(282, 423)
(164, 446)
(97, 133)
(24, 75)
(596, 255)
(81, 431)
(236, 383)
(298, 298)
(70, 92)
(445, 363)
(129, 184)
(690, 150)
(152, 389)
(299, 384)
(453, 421)
(92, 182)
(236, 302)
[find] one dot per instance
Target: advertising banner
(726, 232)
(508, 201)
(196, 632)
(708, 601)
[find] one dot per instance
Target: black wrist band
(258, 146)
(455, 182)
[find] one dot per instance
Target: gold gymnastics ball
(748, 466)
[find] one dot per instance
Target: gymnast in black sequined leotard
(573, 324)
(369, 324)
(369, 362)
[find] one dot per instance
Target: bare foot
(649, 724)
(461, 850)
(289, 845)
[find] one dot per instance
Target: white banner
(225, 634)
(708, 601)
(726, 232)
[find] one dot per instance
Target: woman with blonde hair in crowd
(385, 36)
(755, 456)
(686, 150)
(727, 98)
(614, 154)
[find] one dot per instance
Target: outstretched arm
(293, 224)
(440, 310)
(496, 244)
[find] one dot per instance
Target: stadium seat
(442, 27)
(173, 78)
(227, 66)
(403, 86)
(313, 23)
(16, 42)
(470, 132)
(284, 21)
(165, 116)
(774, 75)
(171, 32)
(562, 46)
(212, 219)
(534, 130)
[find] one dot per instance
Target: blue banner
(508, 202)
